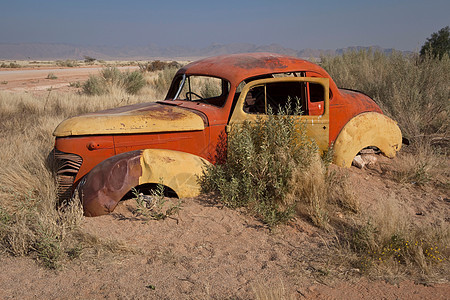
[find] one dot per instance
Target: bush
(11, 65)
(95, 85)
(111, 77)
(51, 76)
(158, 65)
(89, 60)
(161, 83)
(67, 63)
(134, 82)
(438, 44)
(261, 160)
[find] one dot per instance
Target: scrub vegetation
(30, 222)
(271, 172)
(415, 92)
(111, 78)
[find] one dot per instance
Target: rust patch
(162, 112)
(263, 62)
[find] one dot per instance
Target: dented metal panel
(153, 117)
(106, 184)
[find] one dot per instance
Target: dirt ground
(208, 251)
(35, 80)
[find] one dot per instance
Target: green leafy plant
(438, 44)
(262, 157)
(155, 206)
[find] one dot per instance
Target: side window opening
(316, 99)
(272, 96)
(279, 94)
(255, 102)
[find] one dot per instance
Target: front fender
(105, 185)
(364, 130)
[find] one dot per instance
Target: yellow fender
(364, 130)
(103, 187)
(175, 169)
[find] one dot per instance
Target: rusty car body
(103, 155)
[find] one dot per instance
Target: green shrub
(155, 206)
(110, 77)
(134, 82)
(261, 159)
(95, 85)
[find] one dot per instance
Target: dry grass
(413, 91)
(30, 223)
(386, 243)
(264, 292)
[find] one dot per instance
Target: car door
(259, 97)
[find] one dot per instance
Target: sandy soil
(211, 252)
(205, 252)
(35, 79)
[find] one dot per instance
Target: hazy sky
(324, 24)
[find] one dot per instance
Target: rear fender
(104, 186)
(364, 130)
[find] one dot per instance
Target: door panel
(259, 96)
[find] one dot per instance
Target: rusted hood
(138, 118)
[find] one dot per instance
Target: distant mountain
(42, 51)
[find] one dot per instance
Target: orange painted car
(103, 155)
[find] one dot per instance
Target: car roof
(237, 67)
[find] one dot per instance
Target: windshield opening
(204, 89)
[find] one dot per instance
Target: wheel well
(370, 149)
(147, 189)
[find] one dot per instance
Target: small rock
(358, 162)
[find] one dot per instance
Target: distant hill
(42, 51)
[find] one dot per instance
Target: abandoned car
(103, 155)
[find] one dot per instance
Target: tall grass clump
(111, 78)
(412, 90)
(388, 244)
(271, 169)
(31, 224)
(160, 82)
